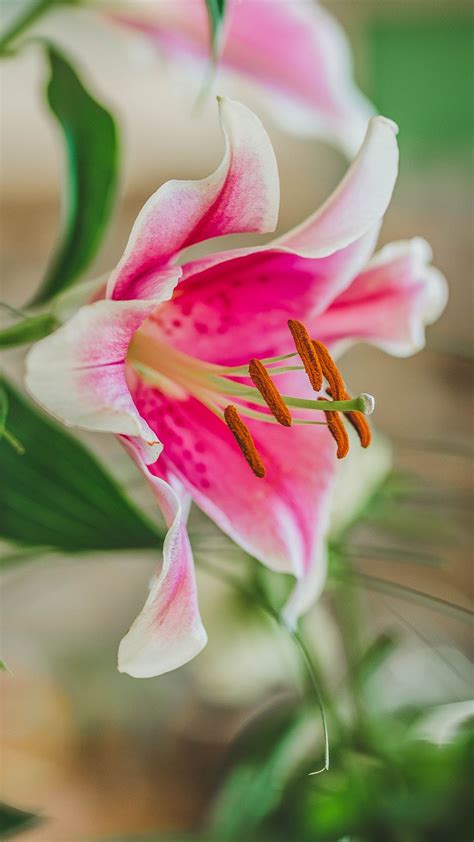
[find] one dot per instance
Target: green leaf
(375, 655)
(3, 410)
(28, 330)
(57, 495)
(215, 11)
(263, 764)
(91, 141)
(4, 432)
(13, 821)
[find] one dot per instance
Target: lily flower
(294, 53)
(216, 364)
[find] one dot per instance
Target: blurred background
(104, 756)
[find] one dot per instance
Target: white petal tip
(387, 122)
(369, 403)
(148, 659)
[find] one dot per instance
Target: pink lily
(158, 359)
(295, 53)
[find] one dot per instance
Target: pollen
(305, 348)
(357, 420)
(265, 385)
(330, 371)
(245, 441)
(338, 432)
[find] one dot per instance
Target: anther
(306, 351)
(357, 420)
(338, 432)
(269, 392)
(244, 439)
(330, 370)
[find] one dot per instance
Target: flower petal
(390, 302)
(282, 519)
(294, 51)
(78, 372)
(241, 195)
(235, 305)
(358, 203)
(168, 632)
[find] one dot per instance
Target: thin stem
(266, 417)
(253, 396)
(20, 314)
(296, 636)
(427, 642)
(308, 660)
(284, 369)
(25, 20)
(406, 592)
(244, 369)
(12, 441)
(222, 387)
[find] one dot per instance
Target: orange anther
(244, 439)
(330, 371)
(305, 349)
(269, 392)
(338, 431)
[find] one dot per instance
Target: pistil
(357, 420)
(181, 376)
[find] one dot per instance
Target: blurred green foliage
(216, 11)
(13, 821)
(393, 786)
(57, 494)
(421, 75)
(29, 329)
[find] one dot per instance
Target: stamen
(330, 370)
(245, 441)
(269, 392)
(338, 432)
(306, 351)
(357, 420)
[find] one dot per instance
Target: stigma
(227, 392)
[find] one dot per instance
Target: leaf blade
(58, 495)
(13, 821)
(92, 152)
(30, 329)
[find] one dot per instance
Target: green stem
(12, 441)
(30, 15)
(14, 311)
(224, 386)
(353, 405)
(406, 592)
(315, 682)
(322, 695)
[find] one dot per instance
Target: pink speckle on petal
(201, 327)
